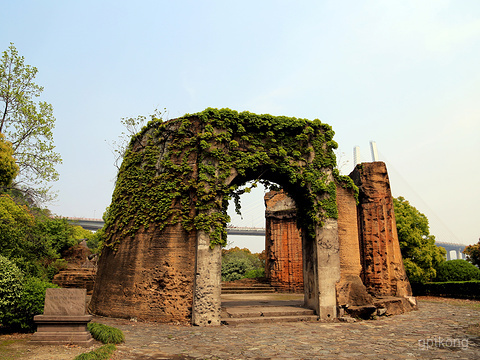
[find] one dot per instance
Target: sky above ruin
(404, 74)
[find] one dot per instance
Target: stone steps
(247, 290)
(265, 314)
(246, 286)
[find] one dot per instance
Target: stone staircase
(263, 314)
(247, 286)
(256, 301)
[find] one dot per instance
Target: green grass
(9, 353)
(472, 304)
(106, 334)
(102, 353)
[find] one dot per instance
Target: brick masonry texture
(383, 271)
(283, 243)
(150, 277)
(370, 258)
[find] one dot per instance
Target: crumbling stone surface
(350, 289)
(371, 267)
(150, 277)
(81, 269)
(383, 271)
(206, 301)
(80, 278)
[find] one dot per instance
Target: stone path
(437, 331)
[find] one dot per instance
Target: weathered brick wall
(283, 243)
(284, 266)
(150, 277)
(383, 271)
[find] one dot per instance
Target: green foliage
(454, 289)
(95, 243)
(473, 253)
(172, 173)
(235, 269)
(420, 254)
(59, 233)
(33, 240)
(27, 124)
(15, 223)
(133, 125)
(255, 273)
(20, 298)
(105, 334)
(8, 167)
(241, 263)
(30, 303)
(102, 353)
(11, 285)
(457, 270)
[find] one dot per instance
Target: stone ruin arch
(167, 221)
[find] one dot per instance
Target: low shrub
(235, 269)
(11, 286)
(240, 263)
(106, 334)
(102, 353)
(255, 273)
(30, 304)
(457, 270)
(454, 289)
(21, 298)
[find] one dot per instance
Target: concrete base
(62, 330)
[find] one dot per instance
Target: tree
(473, 253)
(420, 254)
(8, 168)
(27, 125)
(133, 125)
(33, 240)
(239, 263)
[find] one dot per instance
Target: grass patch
(8, 351)
(106, 334)
(102, 353)
(472, 304)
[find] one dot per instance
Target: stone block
(64, 320)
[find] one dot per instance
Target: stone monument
(64, 320)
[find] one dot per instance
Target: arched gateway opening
(166, 224)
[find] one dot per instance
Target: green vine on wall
(185, 170)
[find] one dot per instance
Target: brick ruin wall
(283, 243)
(370, 258)
(150, 277)
(383, 271)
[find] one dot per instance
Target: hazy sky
(405, 74)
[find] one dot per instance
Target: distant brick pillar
(283, 243)
(383, 271)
